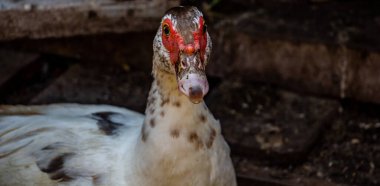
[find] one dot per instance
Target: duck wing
(63, 143)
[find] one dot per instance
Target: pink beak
(191, 76)
(194, 85)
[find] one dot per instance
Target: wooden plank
(314, 47)
(132, 49)
(99, 84)
(345, 66)
(301, 21)
(27, 76)
(42, 19)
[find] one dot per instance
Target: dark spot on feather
(105, 124)
(202, 118)
(152, 122)
(151, 101)
(61, 176)
(162, 113)
(55, 168)
(177, 103)
(162, 95)
(144, 133)
(211, 138)
(193, 138)
(174, 133)
(55, 164)
(164, 101)
(95, 179)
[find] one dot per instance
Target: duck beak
(191, 77)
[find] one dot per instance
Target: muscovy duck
(177, 143)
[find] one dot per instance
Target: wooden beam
(99, 84)
(43, 19)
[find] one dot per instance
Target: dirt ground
(292, 136)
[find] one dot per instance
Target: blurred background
(295, 83)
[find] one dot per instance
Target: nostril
(183, 64)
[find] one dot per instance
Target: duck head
(182, 46)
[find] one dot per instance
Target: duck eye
(166, 29)
(204, 30)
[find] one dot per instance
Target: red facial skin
(174, 42)
(201, 38)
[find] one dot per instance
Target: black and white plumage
(177, 142)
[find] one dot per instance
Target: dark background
(294, 83)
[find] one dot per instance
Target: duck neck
(175, 131)
(172, 118)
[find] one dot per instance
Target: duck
(178, 142)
